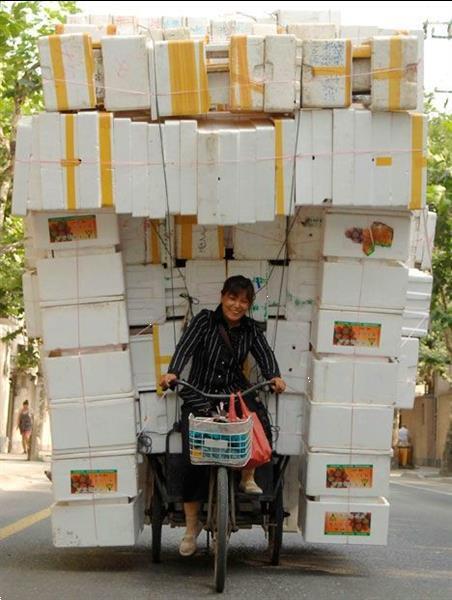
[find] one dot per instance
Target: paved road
(416, 564)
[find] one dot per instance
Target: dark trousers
(195, 478)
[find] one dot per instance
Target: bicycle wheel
(275, 531)
(221, 528)
(157, 516)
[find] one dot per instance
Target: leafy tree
(436, 348)
(21, 23)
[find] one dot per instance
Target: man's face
(235, 306)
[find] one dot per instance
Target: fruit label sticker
(347, 523)
(94, 481)
(349, 476)
(378, 234)
(347, 333)
(72, 229)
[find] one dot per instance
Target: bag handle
(232, 414)
(245, 410)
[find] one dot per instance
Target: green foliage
(11, 268)
(436, 348)
(21, 24)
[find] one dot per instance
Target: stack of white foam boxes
(357, 340)
(79, 310)
(284, 182)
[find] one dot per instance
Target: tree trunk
(446, 463)
(38, 419)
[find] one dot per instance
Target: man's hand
(166, 380)
(278, 385)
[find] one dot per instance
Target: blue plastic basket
(215, 443)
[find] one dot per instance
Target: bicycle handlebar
(258, 386)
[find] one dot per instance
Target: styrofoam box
(302, 290)
(286, 412)
(357, 332)
(316, 515)
(355, 427)
(88, 375)
(126, 72)
(145, 292)
(407, 371)
(33, 321)
(291, 495)
(143, 368)
(87, 229)
(364, 285)
(142, 354)
(344, 380)
(158, 415)
(305, 237)
(277, 290)
(262, 241)
(205, 280)
(336, 242)
(417, 301)
(90, 523)
(84, 325)
(174, 282)
(285, 17)
(290, 341)
(415, 323)
(351, 474)
(119, 471)
(419, 282)
(80, 279)
(100, 424)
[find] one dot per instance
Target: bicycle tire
(221, 529)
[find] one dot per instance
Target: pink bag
(261, 451)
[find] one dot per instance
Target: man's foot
(188, 545)
(250, 487)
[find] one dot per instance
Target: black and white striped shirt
(213, 368)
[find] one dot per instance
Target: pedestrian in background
(25, 426)
(403, 445)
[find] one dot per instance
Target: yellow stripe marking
(106, 171)
(89, 68)
(279, 167)
(363, 51)
(22, 524)
(239, 75)
(56, 56)
(203, 81)
(395, 64)
(159, 359)
(70, 161)
(324, 71)
(383, 161)
(348, 72)
(393, 73)
(418, 160)
(183, 77)
(186, 234)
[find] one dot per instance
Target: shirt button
(222, 362)
(219, 376)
